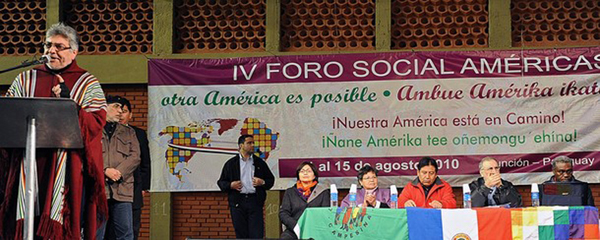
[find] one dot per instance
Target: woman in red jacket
(427, 190)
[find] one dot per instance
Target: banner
(388, 110)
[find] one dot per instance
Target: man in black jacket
(490, 189)
(246, 178)
(141, 175)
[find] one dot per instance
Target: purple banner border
(467, 164)
(223, 71)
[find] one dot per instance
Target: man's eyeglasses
(492, 169)
(59, 47)
(369, 178)
(568, 171)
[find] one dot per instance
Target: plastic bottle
(334, 196)
(352, 195)
(466, 196)
(535, 195)
(393, 197)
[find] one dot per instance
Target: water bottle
(535, 195)
(352, 195)
(466, 196)
(393, 197)
(334, 196)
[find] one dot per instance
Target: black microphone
(41, 60)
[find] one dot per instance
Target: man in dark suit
(142, 173)
(490, 189)
(246, 178)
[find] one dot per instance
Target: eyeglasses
(306, 171)
(492, 169)
(59, 47)
(369, 178)
(568, 171)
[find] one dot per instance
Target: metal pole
(31, 174)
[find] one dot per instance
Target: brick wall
(137, 94)
(201, 215)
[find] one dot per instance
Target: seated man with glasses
(370, 195)
(490, 189)
(562, 167)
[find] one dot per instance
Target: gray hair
(65, 31)
(561, 159)
(486, 159)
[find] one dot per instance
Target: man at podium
(71, 198)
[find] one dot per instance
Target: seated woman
(369, 195)
(307, 192)
(427, 190)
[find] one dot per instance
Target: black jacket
(293, 205)
(142, 173)
(588, 198)
(505, 194)
(231, 172)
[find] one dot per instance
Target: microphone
(43, 59)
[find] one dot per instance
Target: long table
(460, 224)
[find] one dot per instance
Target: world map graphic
(186, 141)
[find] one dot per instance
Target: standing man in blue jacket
(246, 178)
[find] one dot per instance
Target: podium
(32, 123)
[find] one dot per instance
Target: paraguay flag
(500, 223)
(459, 224)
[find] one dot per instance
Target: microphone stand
(26, 64)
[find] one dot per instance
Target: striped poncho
(62, 174)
